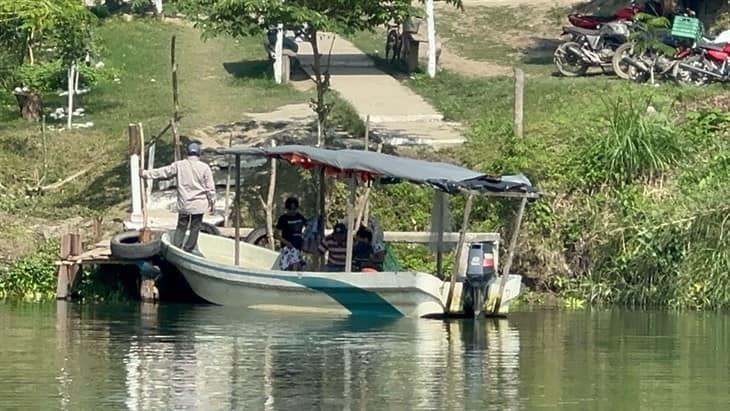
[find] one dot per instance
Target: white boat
(255, 284)
(233, 273)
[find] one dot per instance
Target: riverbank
(635, 174)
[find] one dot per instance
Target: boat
(231, 272)
(256, 284)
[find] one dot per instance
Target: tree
(310, 17)
(38, 38)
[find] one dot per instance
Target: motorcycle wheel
(568, 61)
(688, 77)
(617, 62)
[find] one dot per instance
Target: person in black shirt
(290, 225)
(362, 251)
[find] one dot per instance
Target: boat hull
(255, 285)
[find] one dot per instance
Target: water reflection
(202, 357)
(212, 358)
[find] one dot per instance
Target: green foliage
(42, 32)
(648, 33)
(634, 145)
(32, 277)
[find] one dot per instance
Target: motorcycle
(704, 63)
(589, 48)
(625, 13)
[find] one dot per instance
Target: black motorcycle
(590, 48)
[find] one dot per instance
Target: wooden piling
(67, 273)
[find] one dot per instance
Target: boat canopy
(369, 165)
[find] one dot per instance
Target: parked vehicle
(626, 13)
(704, 63)
(589, 48)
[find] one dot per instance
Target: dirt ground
(540, 39)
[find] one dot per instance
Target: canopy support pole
(237, 218)
(321, 208)
(440, 235)
(350, 222)
(460, 249)
(510, 255)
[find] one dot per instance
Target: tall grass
(634, 144)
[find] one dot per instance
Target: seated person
(335, 246)
(290, 257)
(290, 225)
(362, 251)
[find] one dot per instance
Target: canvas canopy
(369, 164)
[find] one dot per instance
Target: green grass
(220, 80)
(633, 215)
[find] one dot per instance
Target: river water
(142, 357)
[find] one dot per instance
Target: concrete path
(397, 115)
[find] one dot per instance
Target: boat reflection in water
(209, 358)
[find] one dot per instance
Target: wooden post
(134, 157)
(519, 102)
(62, 280)
(238, 210)
(269, 205)
(367, 133)
(175, 101)
(431, 29)
(459, 249)
(350, 222)
(175, 140)
(510, 254)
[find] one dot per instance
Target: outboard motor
(481, 270)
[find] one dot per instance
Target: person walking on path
(195, 194)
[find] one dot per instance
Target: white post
(431, 38)
(279, 51)
(158, 6)
(71, 80)
(136, 189)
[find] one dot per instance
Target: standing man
(195, 194)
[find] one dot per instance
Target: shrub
(634, 146)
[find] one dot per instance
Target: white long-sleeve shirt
(195, 187)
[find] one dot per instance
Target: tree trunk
(321, 81)
(30, 105)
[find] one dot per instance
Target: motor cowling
(482, 263)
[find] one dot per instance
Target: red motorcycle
(704, 63)
(625, 13)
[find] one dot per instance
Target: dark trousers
(194, 221)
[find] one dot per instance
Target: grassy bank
(637, 177)
(220, 80)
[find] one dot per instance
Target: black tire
(210, 229)
(620, 68)
(685, 76)
(126, 246)
(568, 60)
(258, 237)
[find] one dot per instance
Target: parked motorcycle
(706, 62)
(589, 48)
(625, 13)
